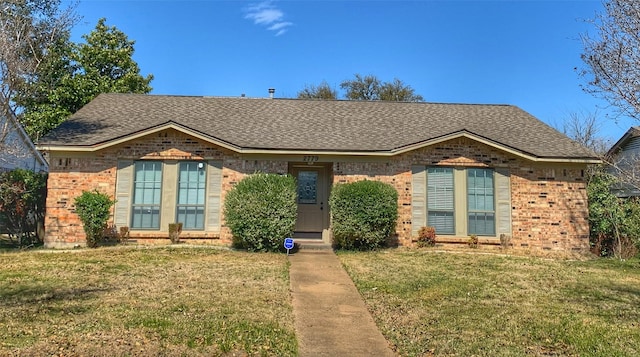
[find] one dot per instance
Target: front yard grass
(445, 304)
(158, 301)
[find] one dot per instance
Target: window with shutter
(461, 201)
(147, 191)
(191, 195)
(440, 198)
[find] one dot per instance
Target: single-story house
(17, 151)
(487, 170)
(624, 157)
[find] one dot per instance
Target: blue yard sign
(288, 244)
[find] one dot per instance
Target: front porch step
(312, 244)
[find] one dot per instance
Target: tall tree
(612, 58)
(398, 92)
(28, 30)
(369, 87)
(321, 91)
(77, 74)
(584, 128)
(107, 65)
(362, 88)
(50, 99)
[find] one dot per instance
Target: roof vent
(272, 91)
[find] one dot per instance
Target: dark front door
(312, 197)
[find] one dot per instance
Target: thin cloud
(266, 14)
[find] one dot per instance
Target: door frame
(326, 171)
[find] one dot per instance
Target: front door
(312, 200)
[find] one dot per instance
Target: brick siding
(549, 202)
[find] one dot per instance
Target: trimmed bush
(261, 211)
(426, 237)
(473, 241)
(363, 214)
(94, 209)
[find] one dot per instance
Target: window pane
(191, 193)
(146, 196)
(192, 217)
(440, 188)
(482, 224)
(443, 222)
(146, 217)
(481, 202)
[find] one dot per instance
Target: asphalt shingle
(311, 125)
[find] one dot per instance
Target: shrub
(113, 235)
(261, 211)
(426, 237)
(363, 214)
(505, 240)
(94, 209)
(473, 241)
(614, 222)
(174, 232)
(22, 204)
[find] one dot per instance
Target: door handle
(321, 206)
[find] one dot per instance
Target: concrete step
(312, 244)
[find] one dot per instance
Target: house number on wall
(310, 159)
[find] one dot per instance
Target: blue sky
(500, 52)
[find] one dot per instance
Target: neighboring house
(465, 169)
(16, 149)
(624, 157)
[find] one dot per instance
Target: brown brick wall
(549, 201)
(68, 177)
(72, 173)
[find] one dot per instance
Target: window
(146, 195)
(480, 202)
(440, 200)
(150, 194)
(307, 187)
(191, 195)
(459, 201)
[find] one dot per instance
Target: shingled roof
(332, 126)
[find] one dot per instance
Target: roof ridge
(152, 95)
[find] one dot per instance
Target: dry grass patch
(161, 301)
(445, 303)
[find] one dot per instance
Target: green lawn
(159, 301)
(445, 304)
(189, 301)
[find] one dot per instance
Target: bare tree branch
(584, 128)
(612, 58)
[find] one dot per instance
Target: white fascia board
(388, 153)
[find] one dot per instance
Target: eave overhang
(375, 153)
(631, 133)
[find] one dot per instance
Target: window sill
(165, 234)
(457, 239)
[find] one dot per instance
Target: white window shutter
(418, 198)
(214, 190)
(124, 180)
(503, 201)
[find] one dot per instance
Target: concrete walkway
(330, 317)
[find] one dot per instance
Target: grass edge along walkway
(330, 317)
